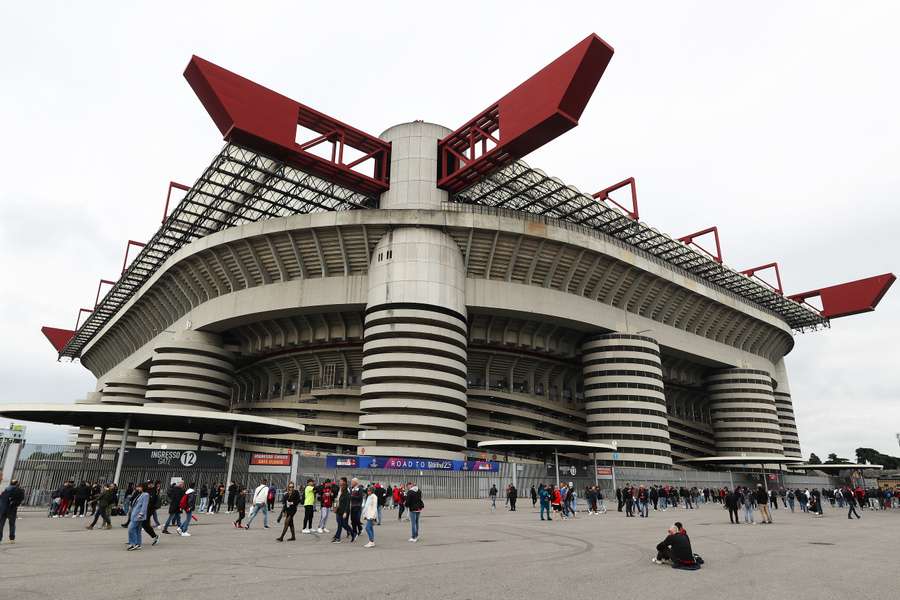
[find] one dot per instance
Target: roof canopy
(759, 459)
(834, 467)
(106, 416)
(547, 446)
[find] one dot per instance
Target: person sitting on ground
(676, 548)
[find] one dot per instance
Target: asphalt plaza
(465, 551)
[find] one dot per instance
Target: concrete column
(414, 378)
(744, 417)
(624, 399)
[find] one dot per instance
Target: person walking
(136, 517)
(260, 503)
(492, 494)
(848, 498)
(762, 502)
(511, 496)
(291, 501)
(152, 499)
(370, 514)
(188, 504)
(105, 501)
(341, 503)
(309, 505)
(534, 497)
(176, 491)
(239, 503)
(10, 499)
(357, 497)
(415, 506)
(326, 499)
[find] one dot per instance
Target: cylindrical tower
(785, 407)
(624, 399)
(125, 386)
(744, 418)
(413, 392)
(192, 370)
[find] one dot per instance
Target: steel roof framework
(518, 187)
(240, 186)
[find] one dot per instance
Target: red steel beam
(689, 239)
(850, 298)
(604, 195)
(178, 186)
(58, 337)
(256, 117)
(539, 110)
(127, 248)
(773, 265)
(81, 311)
(99, 286)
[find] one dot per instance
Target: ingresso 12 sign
(179, 459)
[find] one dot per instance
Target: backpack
(183, 503)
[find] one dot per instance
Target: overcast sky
(778, 123)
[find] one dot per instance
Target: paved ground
(465, 551)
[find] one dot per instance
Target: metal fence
(41, 469)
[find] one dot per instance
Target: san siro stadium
(419, 292)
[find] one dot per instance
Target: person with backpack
(10, 499)
(187, 504)
(291, 500)
(260, 503)
(676, 548)
(415, 506)
(175, 493)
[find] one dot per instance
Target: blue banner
(415, 464)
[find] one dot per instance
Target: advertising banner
(182, 459)
(604, 472)
(416, 464)
(269, 463)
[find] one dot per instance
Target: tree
(874, 457)
(814, 460)
(833, 459)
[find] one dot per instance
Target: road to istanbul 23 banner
(418, 464)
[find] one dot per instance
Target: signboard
(418, 464)
(180, 459)
(269, 463)
(616, 456)
(604, 472)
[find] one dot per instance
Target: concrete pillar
(414, 378)
(624, 399)
(744, 418)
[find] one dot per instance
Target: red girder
(58, 337)
(127, 249)
(263, 120)
(689, 239)
(850, 298)
(99, 287)
(177, 186)
(773, 265)
(604, 195)
(81, 311)
(542, 108)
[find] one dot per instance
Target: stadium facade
(415, 293)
